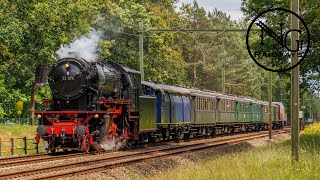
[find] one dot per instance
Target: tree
(309, 10)
(31, 32)
(218, 51)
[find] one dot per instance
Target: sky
(231, 7)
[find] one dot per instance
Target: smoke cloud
(84, 47)
(114, 145)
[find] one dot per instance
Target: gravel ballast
(147, 169)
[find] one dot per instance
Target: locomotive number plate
(67, 78)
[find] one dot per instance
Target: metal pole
(223, 78)
(311, 111)
(270, 103)
(303, 109)
(201, 30)
(260, 92)
(294, 84)
(32, 102)
(194, 66)
(318, 102)
(141, 50)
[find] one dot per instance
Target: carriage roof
(206, 94)
(167, 88)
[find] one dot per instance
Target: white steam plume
(84, 47)
(114, 145)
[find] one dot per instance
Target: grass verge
(17, 131)
(270, 162)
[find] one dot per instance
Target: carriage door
(237, 111)
(159, 105)
(218, 112)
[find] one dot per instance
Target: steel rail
(12, 158)
(37, 159)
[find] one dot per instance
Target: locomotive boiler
(91, 103)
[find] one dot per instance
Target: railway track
(22, 157)
(46, 157)
(100, 161)
(20, 160)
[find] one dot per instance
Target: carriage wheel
(186, 137)
(213, 134)
(53, 151)
(177, 137)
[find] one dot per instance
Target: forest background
(31, 32)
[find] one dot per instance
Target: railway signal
(19, 107)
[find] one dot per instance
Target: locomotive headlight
(96, 116)
(66, 65)
(39, 116)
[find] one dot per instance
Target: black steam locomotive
(96, 102)
(86, 97)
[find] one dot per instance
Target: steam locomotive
(96, 102)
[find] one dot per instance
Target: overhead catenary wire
(165, 30)
(174, 31)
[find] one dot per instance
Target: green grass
(271, 162)
(17, 131)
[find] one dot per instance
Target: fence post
(25, 145)
(12, 146)
(37, 148)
